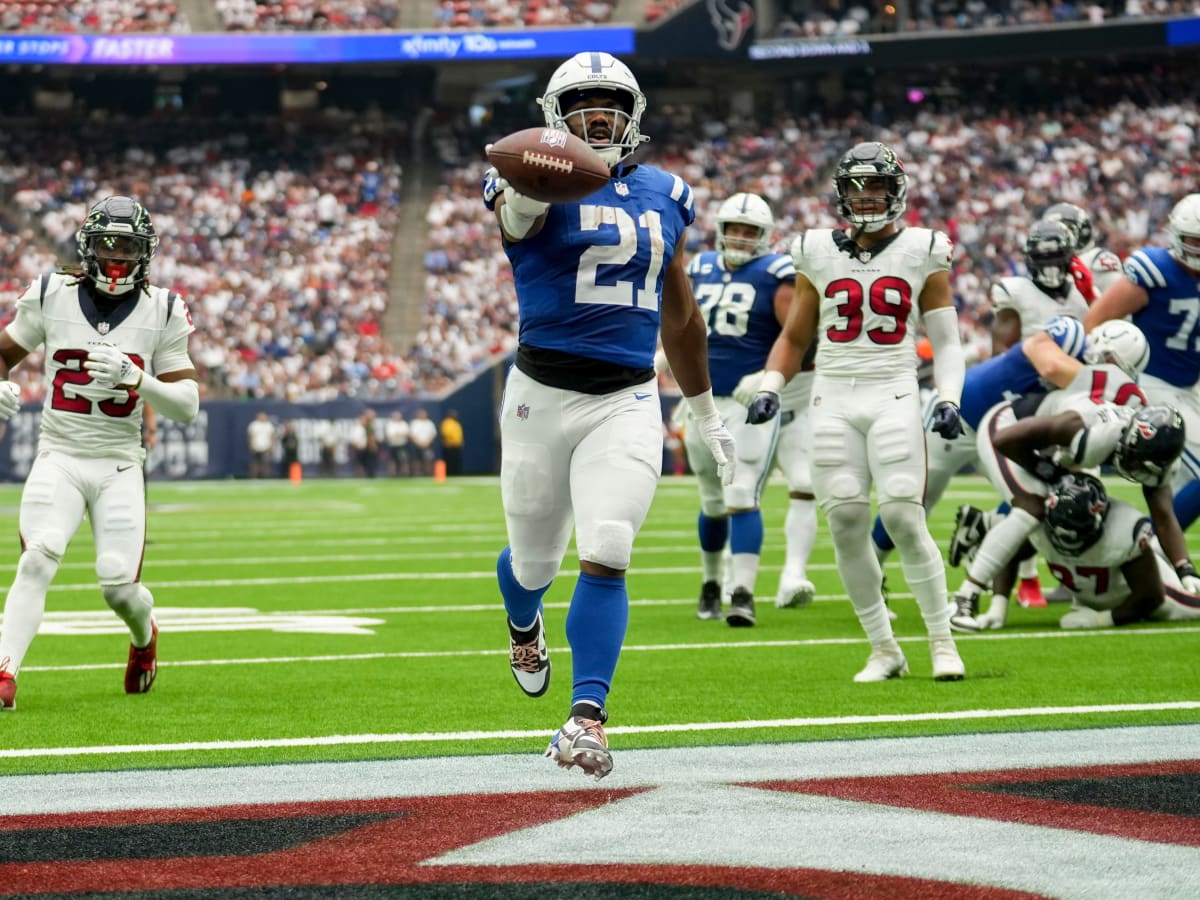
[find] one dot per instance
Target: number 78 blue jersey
(738, 306)
(590, 282)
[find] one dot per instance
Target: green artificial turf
(410, 565)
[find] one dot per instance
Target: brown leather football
(549, 165)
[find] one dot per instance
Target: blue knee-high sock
(880, 536)
(1187, 504)
(596, 624)
(746, 531)
(521, 603)
(713, 533)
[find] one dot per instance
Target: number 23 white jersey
(80, 415)
(869, 310)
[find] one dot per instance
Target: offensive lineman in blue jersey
(743, 291)
(581, 423)
(1025, 368)
(1160, 294)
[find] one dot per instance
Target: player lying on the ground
(1103, 550)
(1052, 356)
(1024, 458)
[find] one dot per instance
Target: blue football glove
(946, 420)
(763, 408)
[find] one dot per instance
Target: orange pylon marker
(295, 473)
(439, 471)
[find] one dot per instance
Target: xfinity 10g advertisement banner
(244, 49)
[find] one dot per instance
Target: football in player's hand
(549, 165)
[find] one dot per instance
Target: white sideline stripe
(378, 576)
(628, 648)
(676, 728)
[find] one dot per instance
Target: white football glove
(1191, 584)
(1083, 617)
(10, 400)
(110, 366)
(720, 444)
(747, 389)
(523, 206)
(996, 615)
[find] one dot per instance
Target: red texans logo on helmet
(1146, 430)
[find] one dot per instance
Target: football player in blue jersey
(1159, 293)
(580, 423)
(1029, 367)
(743, 291)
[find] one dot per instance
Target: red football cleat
(143, 665)
(8, 687)
(1029, 593)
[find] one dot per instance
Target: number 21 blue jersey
(590, 282)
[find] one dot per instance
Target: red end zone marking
(951, 792)
(390, 852)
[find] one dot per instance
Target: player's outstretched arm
(1022, 440)
(1051, 361)
(1123, 298)
(1145, 586)
(1160, 505)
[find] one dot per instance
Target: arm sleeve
(949, 364)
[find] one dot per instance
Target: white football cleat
(886, 661)
(947, 664)
(795, 591)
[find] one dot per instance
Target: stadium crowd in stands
(278, 236)
(280, 233)
(803, 18)
(100, 16)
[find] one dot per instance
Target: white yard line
(1166, 631)
(665, 728)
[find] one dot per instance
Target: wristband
(702, 405)
(772, 382)
(1184, 568)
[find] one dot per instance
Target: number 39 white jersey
(82, 416)
(869, 311)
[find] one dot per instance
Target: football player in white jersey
(1104, 552)
(1024, 457)
(113, 343)
(1115, 356)
(743, 291)
(1023, 306)
(864, 291)
(1100, 265)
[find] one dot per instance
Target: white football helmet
(745, 209)
(1118, 343)
(1184, 222)
(597, 74)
